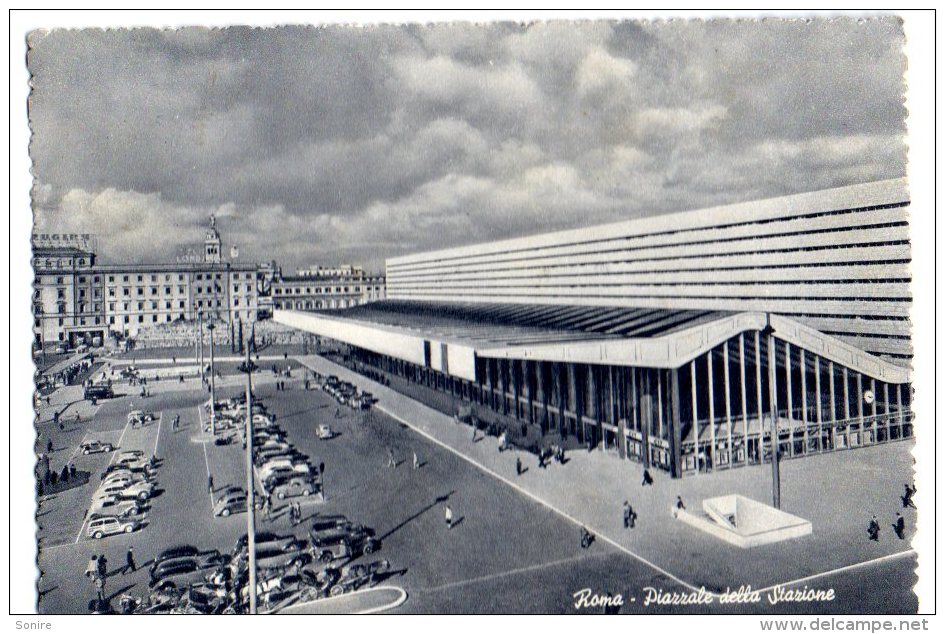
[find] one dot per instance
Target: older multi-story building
(76, 299)
(320, 288)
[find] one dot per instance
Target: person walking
(391, 463)
(632, 516)
(49, 446)
(907, 497)
(102, 567)
(873, 530)
(210, 484)
(416, 461)
(647, 478)
(626, 514)
(92, 568)
(899, 527)
(448, 516)
(130, 565)
(518, 466)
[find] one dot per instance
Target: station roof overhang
(450, 337)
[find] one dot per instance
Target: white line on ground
(827, 573)
(402, 596)
(207, 462)
(515, 571)
(158, 436)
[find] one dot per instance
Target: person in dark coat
(130, 565)
(102, 564)
(626, 514)
(647, 478)
(518, 466)
(907, 497)
(873, 530)
(899, 527)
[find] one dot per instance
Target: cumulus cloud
(353, 144)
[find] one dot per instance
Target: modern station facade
(684, 341)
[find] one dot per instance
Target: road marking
(401, 598)
(516, 571)
(861, 564)
(206, 461)
(158, 437)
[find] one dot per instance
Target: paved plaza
(515, 541)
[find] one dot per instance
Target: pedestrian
(448, 515)
(64, 476)
(524, 430)
(49, 446)
(130, 565)
(873, 529)
(647, 478)
(899, 527)
(475, 429)
(181, 378)
(210, 484)
(390, 458)
(678, 506)
(626, 514)
(56, 419)
(632, 516)
(102, 566)
(907, 497)
(92, 567)
(72, 471)
(416, 461)
(518, 466)
(174, 360)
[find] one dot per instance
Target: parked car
(321, 523)
(140, 490)
(281, 555)
(140, 417)
(105, 526)
(325, 432)
(123, 479)
(95, 446)
(343, 543)
(179, 573)
(204, 558)
(230, 503)
(98, 392)
(263, 538)
(145, 471)
(268, 469)
(354, 576)
(297, 486)
(115, 505)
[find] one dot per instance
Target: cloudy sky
(322, 145)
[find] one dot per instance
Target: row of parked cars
(121, 502)
(187, 579)
(346, 393)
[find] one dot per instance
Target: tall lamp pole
(250, 488)
(773, 403)
(203, 376)
(213, 390)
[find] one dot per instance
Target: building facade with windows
(76, 299)
(327, 288)
(687, 341)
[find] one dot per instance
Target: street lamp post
(203, 377)
(250, 488)
(213, 391)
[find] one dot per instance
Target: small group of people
(899, 524)
(280, 386)
(555, 452)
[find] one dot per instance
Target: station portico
(684, 342)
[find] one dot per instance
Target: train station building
(683, 341)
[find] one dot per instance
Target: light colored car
(105, 526)
(95, 446)
(230, 504)
(325, 432)
(270, 467)
(115, 505)
(140, 490)
(297, 486)
(123, 479)
(140, 417)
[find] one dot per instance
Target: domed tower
(211, 244)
